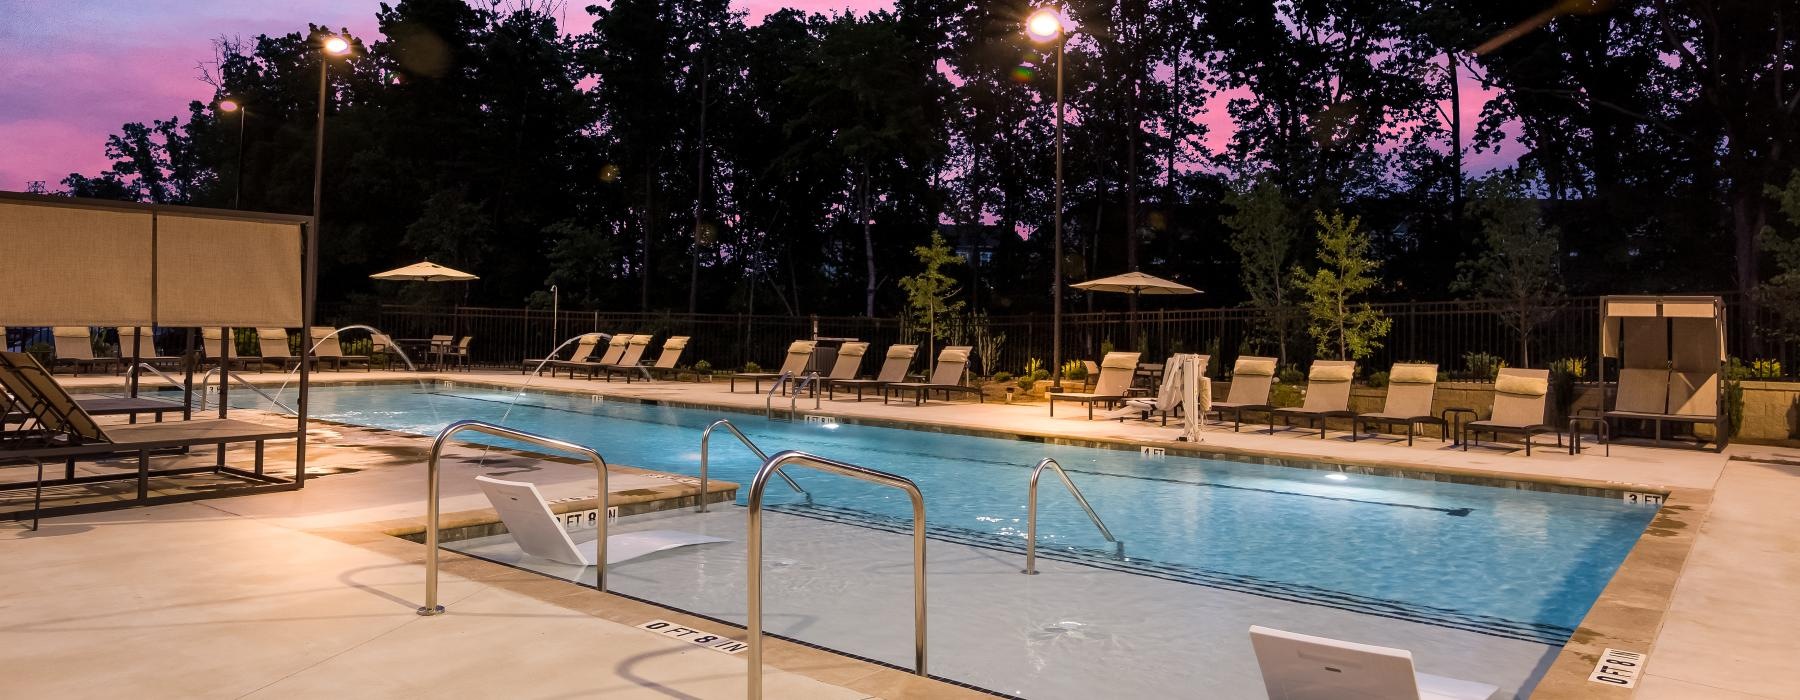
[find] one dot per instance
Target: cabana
(88, 262)
(1671, 353)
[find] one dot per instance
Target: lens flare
(1024, 73)
(336, 45)
(1044, 25)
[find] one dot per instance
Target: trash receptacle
(825, 354)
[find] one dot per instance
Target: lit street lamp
(331, 46)
(1046, 25)
(230, 105)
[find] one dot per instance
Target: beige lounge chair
(615, 349)
(75, 349)
(218, 349)
(627, 362)
(1327, 395)
(145, 341)
(1410, 391)
(458, 354)
(384, 347)
(665, 361)
(952, 365)
(584, 349)
(1518, 407)
(799, 355)
(273, 343)
(893, 369)
(1117, 370)
(329, 349)
(1251, 378)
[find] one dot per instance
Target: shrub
(1286, 395)
(1564, 373)
(1483, 366)
(703, 366)
(1074, 370)
(1765, 369)
(1291, 375)
(1378, 379)
(1003, 376)
(752, 367)
(1106, 346)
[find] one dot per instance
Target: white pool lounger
(540, 534)
(1303, 667)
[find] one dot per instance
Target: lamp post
(229, 105)
(1046, 25)
(332, 46)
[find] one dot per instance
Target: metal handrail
(706, 435)
(132, 372)
(1031, 515)
(794, 396)
(207, 380)
(769, 398)
(431, 606)
(774, 466)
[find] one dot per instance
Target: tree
(1342, 325)
(929, 293)
(1264, 235)
(1518, 269)
(1781, 293)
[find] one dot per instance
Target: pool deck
(1711, 593)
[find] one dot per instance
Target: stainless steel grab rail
(769, 398)
(132, 372)
(1031, 515)
(207, 380)
(706, 435)
(431, 606)
(774, 466)
(794, 396)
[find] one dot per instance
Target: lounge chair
(615, 349)
(1304, 667)
(212, 341)
(145, 342)
(628, 362)
(1117, 370)
(273, 343)
(799, 355)
(952, 364)
(1167, 401)
(329, 349)
(665, 361)
(1090, 375)
(1410, 391)
(1251, 378)
(75, 349)
(540, 533)
(1518, 407)
(893, 369)
(584, 348)
(1671, 352)
(1327, 395)
(384, 347)
(17, 402)
(846, 366)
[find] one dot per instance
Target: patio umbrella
(424, 272)
(1135, 283)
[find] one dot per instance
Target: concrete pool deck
(1721, 629)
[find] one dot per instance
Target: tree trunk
(868, 245)
(644, 251)
(699, 194)
(1456, 147)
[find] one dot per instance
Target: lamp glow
(1044, 25)
(336, 45)
(228, 105)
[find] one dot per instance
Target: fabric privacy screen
(71, 262)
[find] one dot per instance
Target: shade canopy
(1135, 283)
(424, 272)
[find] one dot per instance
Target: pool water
(1514, 564)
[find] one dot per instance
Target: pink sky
(72, 72)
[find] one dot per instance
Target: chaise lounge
(952, 365)
(1117, 370)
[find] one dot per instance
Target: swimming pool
(1506, 564)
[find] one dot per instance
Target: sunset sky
(72, 72)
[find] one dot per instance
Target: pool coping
(1627, 615)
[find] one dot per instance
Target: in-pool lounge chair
(584, 349)
(273, 343)
(540, 533)
(212, 341)
(75, 349)
(1304, 667)
(329, 350)
(1518, 407)
(615, 349)
(1251, 378)
(1327, 396)
(665, 361)
(627, 362)
(1116, 372)
(145, 342)
(799, 355)
(1410, 391)
(893, 369)
(947, 378)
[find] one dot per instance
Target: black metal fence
(1441, 332)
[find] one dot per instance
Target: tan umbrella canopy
(425, 272)
(1135, 283)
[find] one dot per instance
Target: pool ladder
(787, 379)
(772, 467)
(1031, 515)
(706, 436)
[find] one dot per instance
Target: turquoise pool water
(1522, 565)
